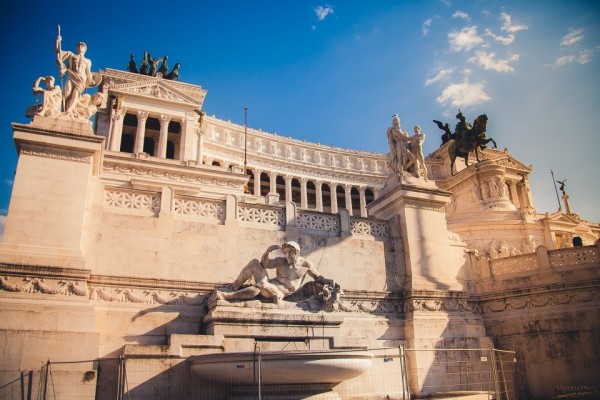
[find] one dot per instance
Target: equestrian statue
(466, 138)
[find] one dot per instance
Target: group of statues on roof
(406, 152)
(71, 102)
(149, 66)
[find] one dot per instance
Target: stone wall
(546, 307)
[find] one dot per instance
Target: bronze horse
(469, 139)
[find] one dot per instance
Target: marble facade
(116, 239)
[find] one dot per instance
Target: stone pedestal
(244, 323)
(415, 211)
(439, 313)
(45, 221)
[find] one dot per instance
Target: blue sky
(335, 72)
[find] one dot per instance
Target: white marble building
(117, 235)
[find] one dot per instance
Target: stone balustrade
(231, 210)
(544, 260)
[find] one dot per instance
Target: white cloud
(489, 62)
(461, 14)
(574, 36)
(564, 60)
(425, 27)
(441, 75)
(508, 26)
(585, 56)
(463, 94)
(465, 39)
(505, 40)
(323, 11)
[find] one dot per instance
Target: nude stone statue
(290, 270)
(78, 70)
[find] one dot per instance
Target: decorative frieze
(547, 299)
(125, 168)
(132, 200)
(56, 153)
(40, 285)
(146, 296)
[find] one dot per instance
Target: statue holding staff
(78, 70)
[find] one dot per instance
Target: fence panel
(388, 373)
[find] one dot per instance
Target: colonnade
(117, 126)
(365, 194)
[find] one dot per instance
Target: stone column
(272, 182)
(142, 117)
(334, 204)
(303, 194)
(116, 129)
(363, 201)
(288, 188)
(188, 132)
(514, 196)
(348, 193)
(200, 151)
(164, 133)
(257, 173)
(319, 194)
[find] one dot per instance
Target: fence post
(495, 373)
(44, 382)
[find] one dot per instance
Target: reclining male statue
(291, 271)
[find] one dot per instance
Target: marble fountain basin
(322, 369)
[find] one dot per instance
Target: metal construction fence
(391, 373)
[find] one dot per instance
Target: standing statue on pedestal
(399, 159)
(416, 148)
(291, 270)
(78, 70)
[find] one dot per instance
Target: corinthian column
(319, 194)
(138, 147)
(348, 193)
(334, 204)
(164, 133)
(116, 129)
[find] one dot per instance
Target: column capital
(348, 187)
(165, 118)
(141, 115)
(118, 114)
